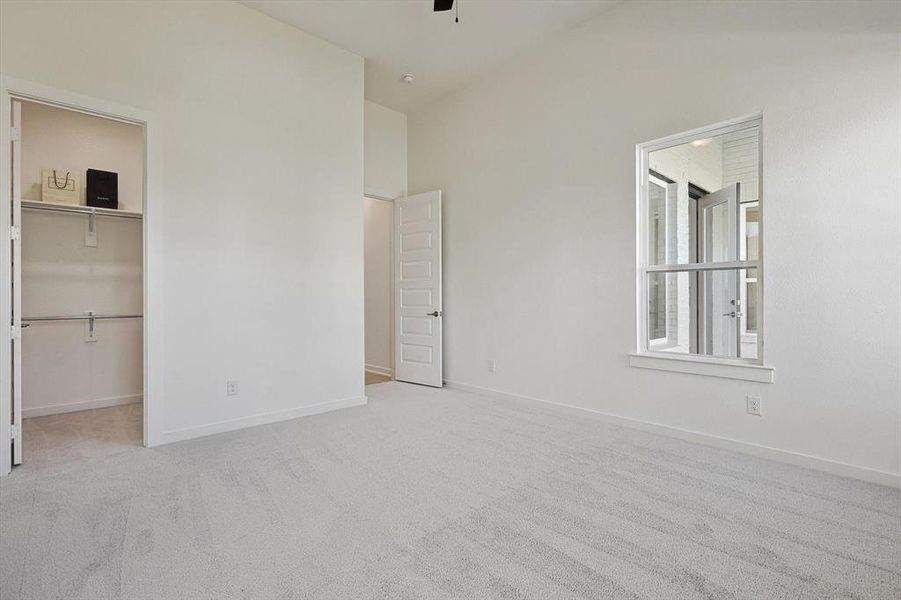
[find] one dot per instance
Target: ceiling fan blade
(443, 5)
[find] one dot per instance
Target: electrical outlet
(754, 407)
(231, 388)
(492, 365)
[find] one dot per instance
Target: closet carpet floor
(428, 493)
(60, 439)
(372, 378)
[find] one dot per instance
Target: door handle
(436, 313)
(732, 314)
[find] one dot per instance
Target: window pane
(720, 313)
(711, 313)
(668, 312)
(752, 232)
(656, 223)
(700, 189)
(656, 308)
(751, 307)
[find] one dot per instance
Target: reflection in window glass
(657, 255)
(717, 233)
(656, 223)
(752, 231)
(656, 308)
(751, 308)
(703, 208)
(698, 314)
(669, 312)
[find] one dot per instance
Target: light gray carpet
(442, 494)
(60, 439)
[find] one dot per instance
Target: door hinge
(15, 431)
(14, 134)
(14, 232)
(15, 332)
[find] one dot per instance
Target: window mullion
(712, 266)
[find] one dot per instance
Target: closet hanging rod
(81, 210)
(80, 318)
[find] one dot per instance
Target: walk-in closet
(79, 363)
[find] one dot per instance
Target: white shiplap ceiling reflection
(405, 36)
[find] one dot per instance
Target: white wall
(378, 217)
(537, 164)
(385, 168)
(61, 276)
(385, 164)
(258, 212)
(61, 371)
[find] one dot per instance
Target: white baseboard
(785, 456)
(188, 433)
(380, 370)
(58, 409)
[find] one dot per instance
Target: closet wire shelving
(92, 213)
(81, 210)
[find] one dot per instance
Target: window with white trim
(700, 274)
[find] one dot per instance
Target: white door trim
(11, 88)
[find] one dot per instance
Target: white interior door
(16, 288)
(417, 289)
(719, 241)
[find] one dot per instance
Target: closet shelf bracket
(90, 236)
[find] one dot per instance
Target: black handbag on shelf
(102, 189)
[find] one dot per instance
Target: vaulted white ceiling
(405, 36)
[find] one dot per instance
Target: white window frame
(751, 369)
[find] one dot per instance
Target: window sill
(709, 367)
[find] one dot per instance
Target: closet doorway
(378, 281)
(77, 188)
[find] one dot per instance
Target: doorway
(75, 205)
(378, 285)
(403, 289)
